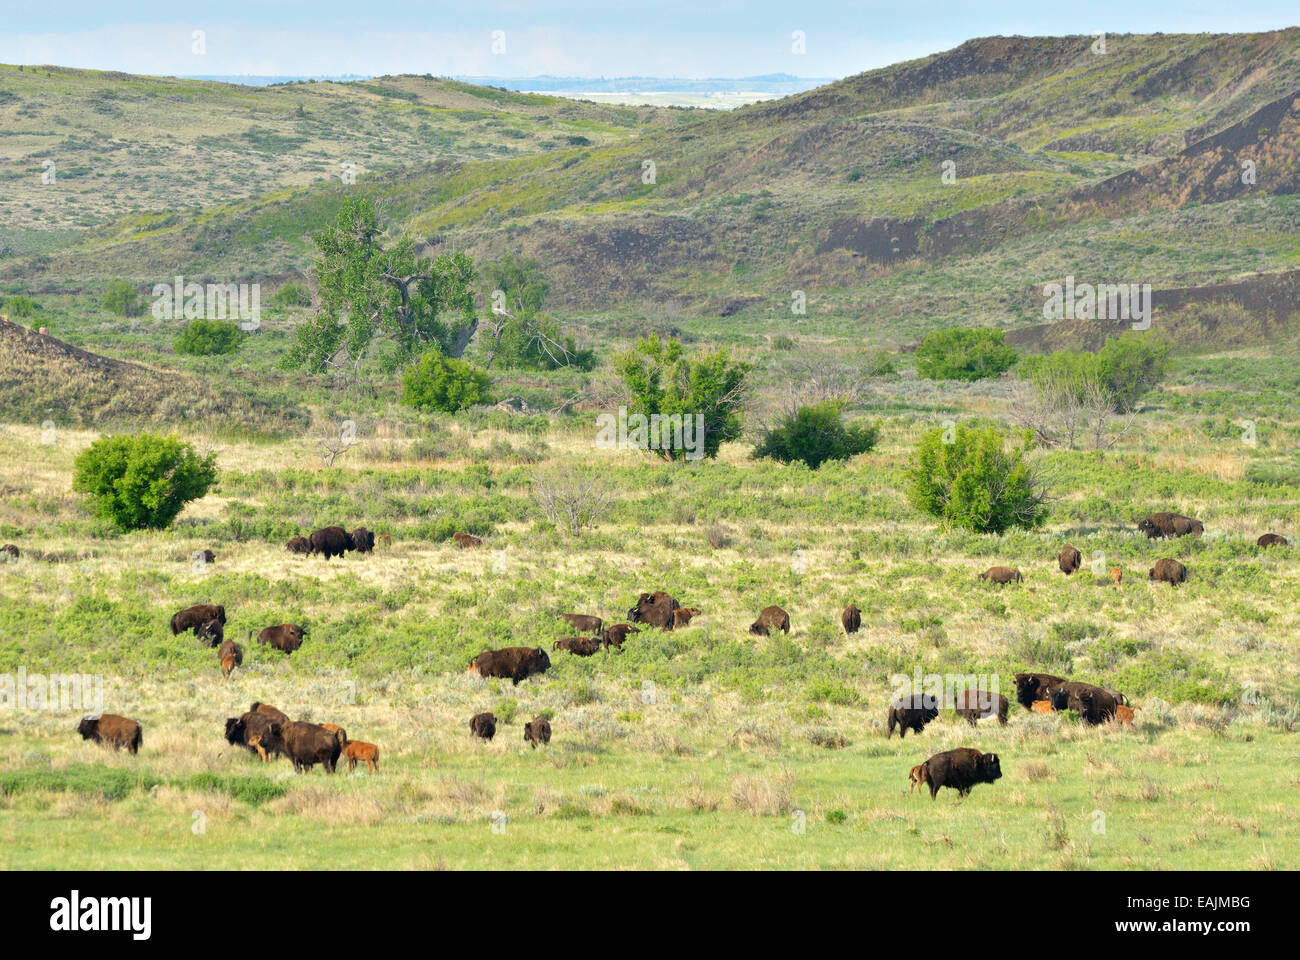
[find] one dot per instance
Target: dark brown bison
(285, 637)
(1163, 526)
(975, 705)
(207, 555)
(9, 552)
(210, 632)
(960, 770)
(1035, 686)
(307, 744)
(363, 541)
(578, 646)
(537, 731)
(912, 713)
(682, 616)
(851, 618)
(583, 622)
(467, 541)
(267, 710)
(654, 609)
(196, 616)
(331, 542)
(615, 635)
(514, 663)
(298, 545)
(483, 726)
(1168, 571)
(772, 618)
(1093, 703)
(1002, 575)
(1271, 540)
(229, 647)
(354, 750)
(110, 730)
(1070, 559)
(252, 731)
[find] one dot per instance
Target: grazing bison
(308, 744)
(253, 732)
(514, 663)
(912, 713)
(1168, 571)
(110, 730)
(682, 616)
(1035, 686)
(467, 541)
(298, 545)
(269, 711)
(1117, 575)
(355, 750)
(851, 618)
(363, 541)
(285, 637)
(1002, 575)
(196, 616)
(9, 551)
(1093, 703)
(583, 622)
(211, 632)
(228, 665)
(483, 726)
(772, 618)
(615, 635)
(579, 646)
(916, 777)
(1070, 559)
(331, 542)
(537, 731)
(1267, 540)
(654, 609)
(977, 704)
(1042, 706)
(1162, 526)
(960, 770)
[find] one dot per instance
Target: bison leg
(934, 789)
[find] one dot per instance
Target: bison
(1093, 703)
(1117, 575)
(355, 750)
(851, 618)
(1163, 526)
(1035, 686)
(975, 705)
(285, 637)
(331, 542)
(298, 545)
(467, 541)
(253, 732)
(196, 616)
(1070, 559)
(654, 609)
(1168, 571)
(1271, 540)
(912, 713)
(269, 711)
(307, 744)
(1002, 575)
(682, 616)
(211, 632)
(537, 731)
(334, 728)
(514, 663)
(110, 730)
(230, 648)
(363, 541)
(228, 665)
(9, 551)
(1042, 706)
(916, 777)
(960, 770)
(579, 646)
(582, 622)
(772, 618)
(483, 726)
(615, 635)
(1124, 714)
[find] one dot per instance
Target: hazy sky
(669, 38)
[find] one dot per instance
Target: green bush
(968, 477)
(815, 434)
(291, 295)
(202, 338)
(1124, 368)
(19, 307)
(437, 382)
(120, 297)
(964, 354)
(142, 480)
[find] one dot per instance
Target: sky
(584, 38)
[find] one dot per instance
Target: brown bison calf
(1002, 575)
(228, 665)
(110, 730)
(916, 777)
(960, 770)
(298, 545)
(578, 646)
(467, 541)
(1168, 571)
(1124, 714)
(285, 637)
(615, 635)
(483, 725)
(513, 663)
(772, 618)
(1069, 560)
(975, 705)
(354, 751)
(195, 616)
(231, 649)
(583, 622)
(537, 731)
(682, 616)
(1117, 575)
(1271, 540)
(851, 618)
(1042, 706)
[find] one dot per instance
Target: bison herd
(268, 732)
(208, 621)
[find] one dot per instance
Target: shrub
(437, 382)
(142, 480)
(1123, 369)
(815, 434)
(967, 477)
(964, 354)
(202, 338)
(291, 295)
(120, 297)
(19, 307)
